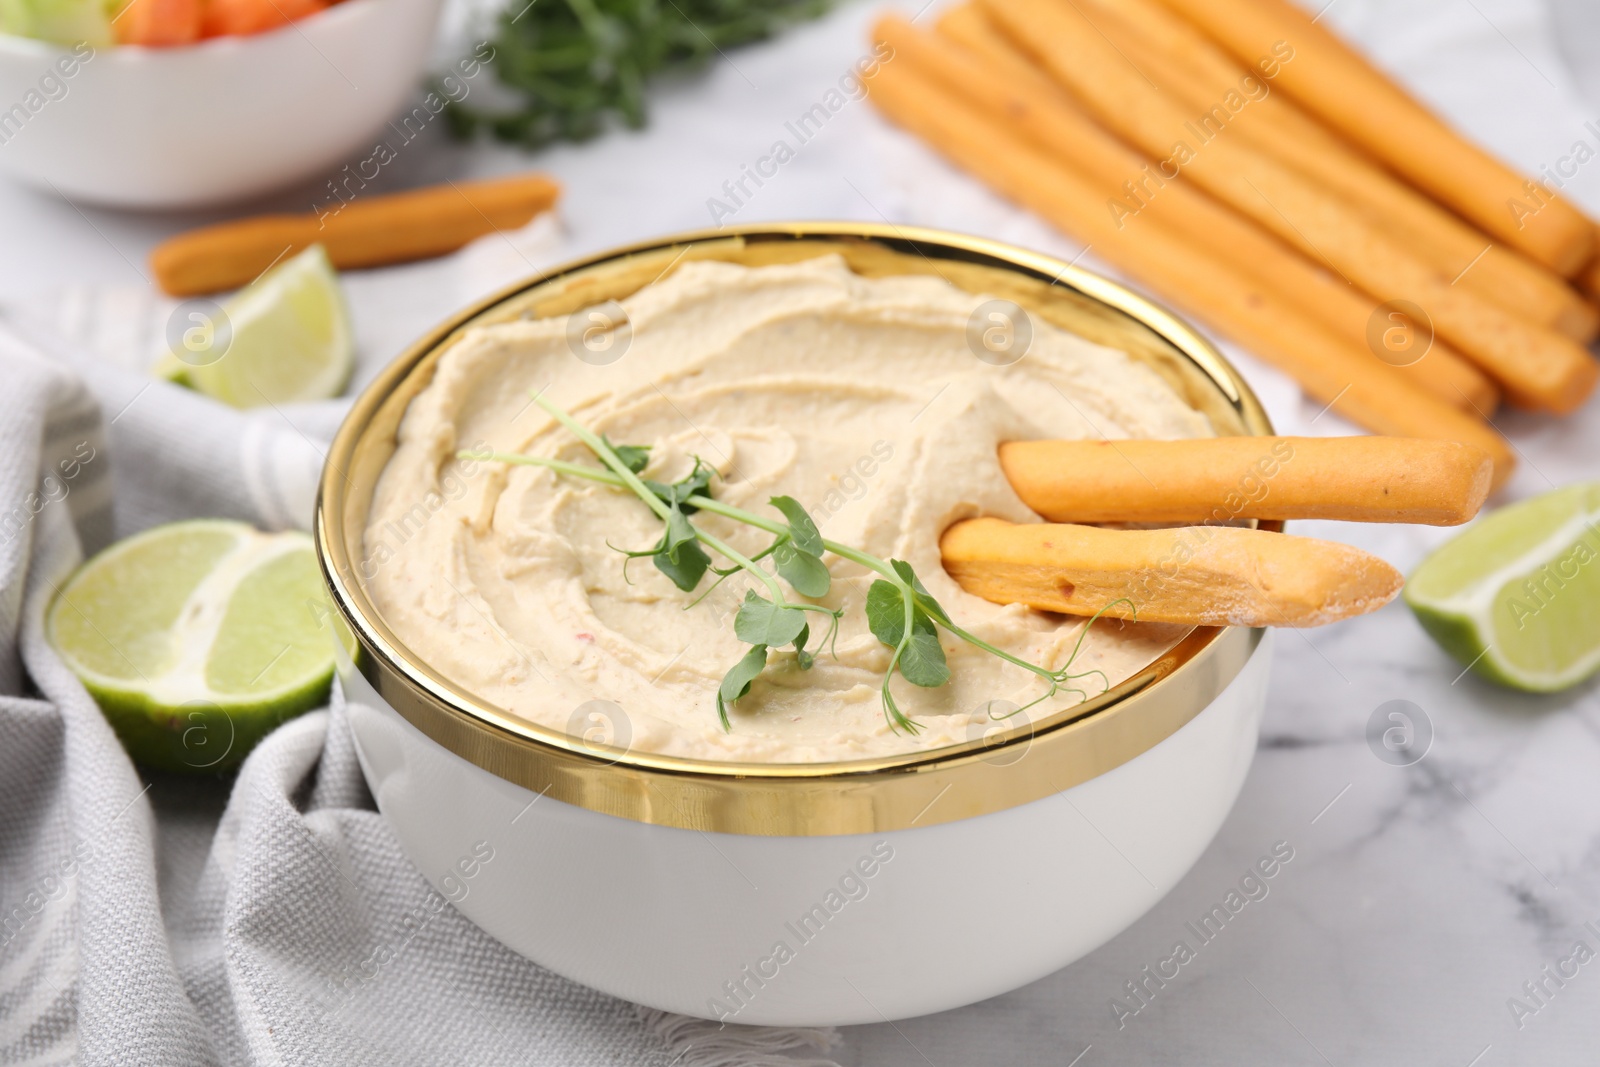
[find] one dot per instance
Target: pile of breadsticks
(1253, 170)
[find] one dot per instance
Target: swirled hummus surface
(861, 398)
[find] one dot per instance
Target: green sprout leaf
(736, 683)
(761, 622)
(802, 657)
(679, 533)
(802, 530)
(918, 656)
(886, 614)
(687, 568)
(924, 600)
(696, 483)
(923, 661)
(805, 572)
(635, 457)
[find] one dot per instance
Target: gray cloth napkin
(262, 918)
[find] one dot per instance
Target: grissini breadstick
(1055, 123)
(1588, 279)
(1200, 575)
(1358, 387)
(1350, 95)
(1538, 368)
(967, 25)
(1219, 479)
(372, 231)
(1210, 82)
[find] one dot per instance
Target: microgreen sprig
(760, 622)
(901, 613)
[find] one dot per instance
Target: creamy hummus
(859, 397)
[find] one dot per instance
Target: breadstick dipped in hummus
(1200, 575)
(1219, 479)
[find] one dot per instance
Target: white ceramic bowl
(803, 894)
(224, 119)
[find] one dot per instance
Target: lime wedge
(169, 368)
(283, 339)
(197, 639)
(1517, 594)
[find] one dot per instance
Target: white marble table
(1420, 898)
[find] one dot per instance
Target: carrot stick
(1538, 368)
(158, 23)
(1329, 79)
(1357, 387)
(1198, 74)
(241, 17)
(1198, 575)
(1219, 479)
(371, 232)
(1053, 122)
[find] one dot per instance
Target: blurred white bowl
(224, 119)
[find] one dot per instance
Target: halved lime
(283, 339)
(1517, 594)
(198, 638)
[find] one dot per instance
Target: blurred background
(71, 261)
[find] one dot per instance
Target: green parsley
(573, 64)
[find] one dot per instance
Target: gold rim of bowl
(897, 792)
